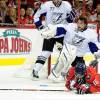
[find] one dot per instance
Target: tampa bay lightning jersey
(80, 39)
(54, 15)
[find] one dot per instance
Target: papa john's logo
(12, 42)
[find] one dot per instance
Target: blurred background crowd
(9, 11)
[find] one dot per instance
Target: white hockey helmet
(57, 3)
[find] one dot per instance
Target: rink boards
(20, 46)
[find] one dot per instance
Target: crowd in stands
(9, 11)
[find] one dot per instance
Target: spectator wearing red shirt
(29, 15)
(22, 19)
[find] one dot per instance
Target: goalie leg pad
(66, 58)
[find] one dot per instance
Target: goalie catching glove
(48, 32)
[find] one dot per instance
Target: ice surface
(9, 81)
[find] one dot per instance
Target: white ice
(9, 81)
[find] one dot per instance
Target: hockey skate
(35, 74)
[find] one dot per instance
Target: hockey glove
(97, 54)
(83, 89)
(48, 32)
(72, 85)
(93, 63)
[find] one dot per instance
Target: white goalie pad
(67, 56)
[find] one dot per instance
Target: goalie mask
(57, 3)
(80, 70)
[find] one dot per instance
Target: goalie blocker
(52, 31)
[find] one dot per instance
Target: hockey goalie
(63, 64)
(82, 79)
(78, 35)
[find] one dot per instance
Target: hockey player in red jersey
(83, 79)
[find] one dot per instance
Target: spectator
(37, 5)
(2, 11)
(95, 3)
(98, 8)
(89, 10)
(24, 4)
(94, 16)
(29, 15)
(78, 7)
(10, 18)
(11, 3)
(22, 19)
(98, 18)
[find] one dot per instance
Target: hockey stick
(9, 89)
